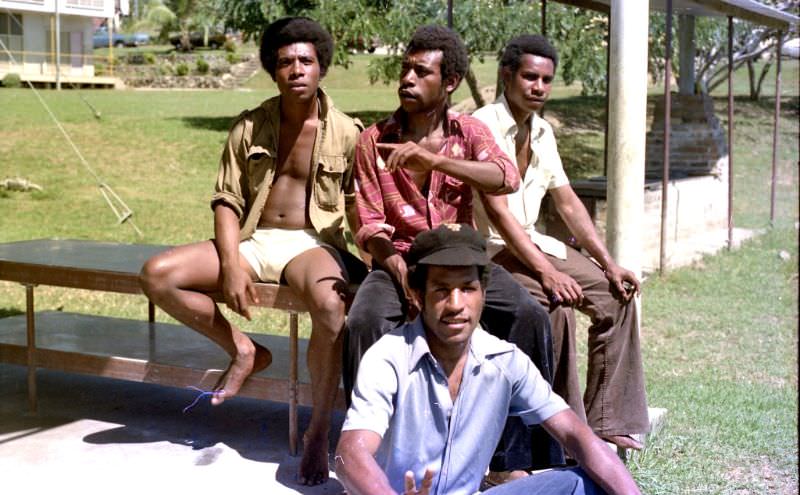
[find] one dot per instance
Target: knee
(154, 276)
(328, 313)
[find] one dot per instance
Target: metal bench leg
(293, 387)
(151, 330)
(31, 347)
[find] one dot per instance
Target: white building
(28, 33)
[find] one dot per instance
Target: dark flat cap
(452, 244)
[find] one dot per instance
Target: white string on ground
(124, 214)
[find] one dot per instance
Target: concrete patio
(100, 435)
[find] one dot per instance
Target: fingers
(566, 291)
(427, 482)
(402, 155)
(252, 292)
(244, 309)
(409, 484)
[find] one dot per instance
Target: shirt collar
(509, 126)
(481, 345)
(391, 129)
(272, 106)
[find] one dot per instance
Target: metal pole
(58, 48)
(608, 82)
(30, 324)
(450, 14)
(662, 262)
(775, 131)
(544, 17)
(730, 132)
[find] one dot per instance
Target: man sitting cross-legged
(431, 396)
(284, 184)
(556, 274)
(415, 171)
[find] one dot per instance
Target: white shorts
(268, 251)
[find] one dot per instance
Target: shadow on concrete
(95, 420)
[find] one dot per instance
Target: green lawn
(719, 338)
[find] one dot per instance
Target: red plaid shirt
(393, 204)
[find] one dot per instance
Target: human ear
(451, 83)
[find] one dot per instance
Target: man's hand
(236, 288)
(399, 270)
(408, 155)
(561, 288)
(411, 485)
(623, 281)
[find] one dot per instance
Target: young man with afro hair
(284, 188)
(416, 170)
(560, 277)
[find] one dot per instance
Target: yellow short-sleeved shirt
(544, 172)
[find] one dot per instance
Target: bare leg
(178, 281)
(320, 280)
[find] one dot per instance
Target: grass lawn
(719, 338)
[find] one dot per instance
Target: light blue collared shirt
(402, 395)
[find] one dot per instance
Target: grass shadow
(582, 154)
(6, 312)
(222, 124)
(579, 112)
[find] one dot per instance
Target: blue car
(100, 39)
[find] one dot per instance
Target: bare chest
(295, 150)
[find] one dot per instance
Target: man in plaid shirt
(415, 171)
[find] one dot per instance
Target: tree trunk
(751, 77)
(760, 82)
(472, 82)
(499, 86)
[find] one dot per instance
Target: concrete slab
(99, 435)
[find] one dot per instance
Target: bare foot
(624, 441)
(314, 465)
(252, 359)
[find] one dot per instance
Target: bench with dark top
(144, 351)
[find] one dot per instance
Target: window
(11, 36)
(65, 47)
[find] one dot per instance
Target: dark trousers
(509, 313)
(614, 402)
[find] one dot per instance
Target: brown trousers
(614, 402)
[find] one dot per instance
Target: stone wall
(697, 213)
(698, 143)
(697, 218)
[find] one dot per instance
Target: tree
(751, 43)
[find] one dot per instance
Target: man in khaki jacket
(284, 187)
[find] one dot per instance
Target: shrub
(136, 59)
(202, 66)
(232, 58)
(229, 46)
(149, 58)
(182, 69)
(12, 80)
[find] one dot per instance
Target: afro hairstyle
(291, 30)
(455, 61)
(532, 44)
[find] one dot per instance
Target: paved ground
(96, 435)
